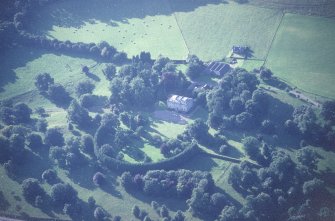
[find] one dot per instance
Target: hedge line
(170, 163)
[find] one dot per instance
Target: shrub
(31, 189)
(50, 176)
(99, 179)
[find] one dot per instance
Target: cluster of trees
(55, 92)
(142, 83)
(305, 123)
(281, 190)
(19, 113)
(236, 102)
(195, 67)
(173, 183)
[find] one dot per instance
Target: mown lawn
(210, 31)
(302, 53)
(130, 26)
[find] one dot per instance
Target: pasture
(302, 53)
(210, 31)
(132, 27)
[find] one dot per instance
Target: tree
(229, 213)
(99, 213)
(63, 193)
(99, 179)
(328, 111)
(245, 120)
(268, 127)
(179, 216)
(315, 188)
(109, 71)
(35, 141)
(50, 176)
(84, 87)
(87, 143)
(265, 74)
(127, 180)
(252, 147)
(164, 212)
(43, 82)
(31, 189)
(54, 137)
(308, 157)
(22, 113)
(199, 130)
(194, 69)
(58, 94)
(78, 115)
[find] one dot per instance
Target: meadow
(302, 53)
(144, 25)
(210, 31)
(174, 29)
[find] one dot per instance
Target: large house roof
(180, 99)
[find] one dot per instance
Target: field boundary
(274, 37)
(181, 32)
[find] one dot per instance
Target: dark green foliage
(43, 82)
(252, 147)
(199, 130)
(58, 94)
(179, 216)
(308, 157)
(35, 141)
(17, 114)
(315, 189)
(50, 176)
(31, 189)
(54, 137)
(229, 213)
(63, 193)
(99, 179)
(87, 143)
(41, 125)
(265, 74)
(245, 121)
(328, 111)
(78, 115)
(268, 127)
(84, 87)
(100, 213)
(194, 70)
(109, 71)
(164, 212)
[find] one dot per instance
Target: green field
(210, 31)
(302, 53)
(130, 26)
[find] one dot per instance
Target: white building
(180, 103)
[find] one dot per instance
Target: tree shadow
(277, 83)
(4, 204)
(93, 76)
(68, 14)
(10, 61)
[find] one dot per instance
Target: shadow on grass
(10, 61)
(68, 14)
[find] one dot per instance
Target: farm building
(180, 103)
(241, 50)
(218, 68)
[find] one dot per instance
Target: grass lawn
(302, 53)
(143, 25)
(210, 31)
